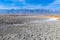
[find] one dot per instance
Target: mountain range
(28, 11)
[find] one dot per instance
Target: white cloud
(55, 5)
(6, 7)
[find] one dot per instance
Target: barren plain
(38, 27)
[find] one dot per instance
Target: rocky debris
(12, 20)
(40, 31)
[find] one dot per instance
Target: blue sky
(30, 4)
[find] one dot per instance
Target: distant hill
(27, 11)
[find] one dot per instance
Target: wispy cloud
(30, 4)
(8, 7)
(55, 5)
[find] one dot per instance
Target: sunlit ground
(57, 17)
(25, 27)
(52, 17)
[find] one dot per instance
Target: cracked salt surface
(51, 19)
(47, 29)
(41, 31)
(45, 20)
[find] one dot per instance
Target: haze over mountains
(28, 11)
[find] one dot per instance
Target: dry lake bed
(23, 27)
